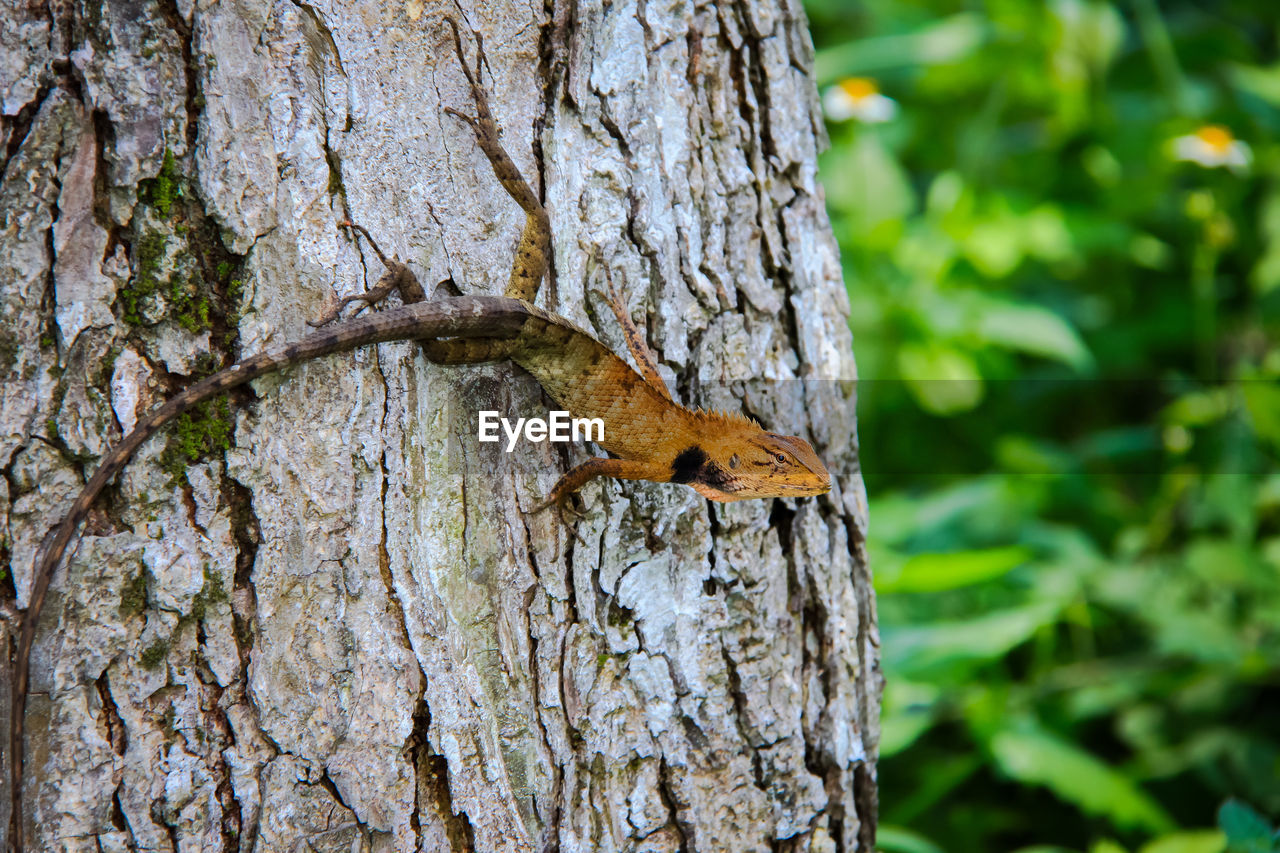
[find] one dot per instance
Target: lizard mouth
(712, 493)
(776, 490)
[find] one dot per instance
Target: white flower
(858, 97)
(1212, 146)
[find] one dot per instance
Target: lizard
(724, 456)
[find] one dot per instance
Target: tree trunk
(322, 618)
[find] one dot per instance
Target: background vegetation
(1069, 414)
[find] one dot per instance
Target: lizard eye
(733, 461)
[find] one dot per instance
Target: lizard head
(745, 461)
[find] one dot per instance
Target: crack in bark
(318, 21)
(557, 772)
(246, 536)
(432, 771)
(326, 781)
(866, 797)
(384, 553)
(173, 17)
(156, 813)
(19, 126)
(231, 826)
(817, 760)
(104, 135)
(444, 245)
(113, 726)
(119, 822)
(668, 796)
(866, 794)
(739, 699)
(546, 68)
(754, 77)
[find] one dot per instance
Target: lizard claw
(397, 277)
(333, 310)
(569, 515)
(458, 114)
(482, 122)
(473, 77)
(369, 297)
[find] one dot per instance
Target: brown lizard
(725, 457)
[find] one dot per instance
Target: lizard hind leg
(635, 340)
(534, 251)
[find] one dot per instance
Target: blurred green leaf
(1222, 563)
(868, 186)
(902, 727)
(1035, 757)
(1266, 273)
(1032, 329)
(919, 651)
(897, 839)
(1263, 82)
(937, 572)
(1201, 841)
(1019, 454)
(1107, 846)
(944, 380)
(1262, 399)
(994, 246)
(1246, 830)
(1090, 32)
(1199, 408)
(946, 40)
(1046, 236)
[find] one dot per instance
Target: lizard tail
(466, 316)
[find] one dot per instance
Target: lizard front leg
(619, 469)
(397, 278)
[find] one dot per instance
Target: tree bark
(337, 627)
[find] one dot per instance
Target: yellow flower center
(1216, 137)
(858, 88)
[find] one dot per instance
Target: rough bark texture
(342, 632)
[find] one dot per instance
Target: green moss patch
(204, 430)
(153, 655)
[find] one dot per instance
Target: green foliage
(1069, 416)
(1247, 831)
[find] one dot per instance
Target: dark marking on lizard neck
(715, 475)
(687, 465)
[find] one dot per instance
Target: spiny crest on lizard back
(728, 420)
